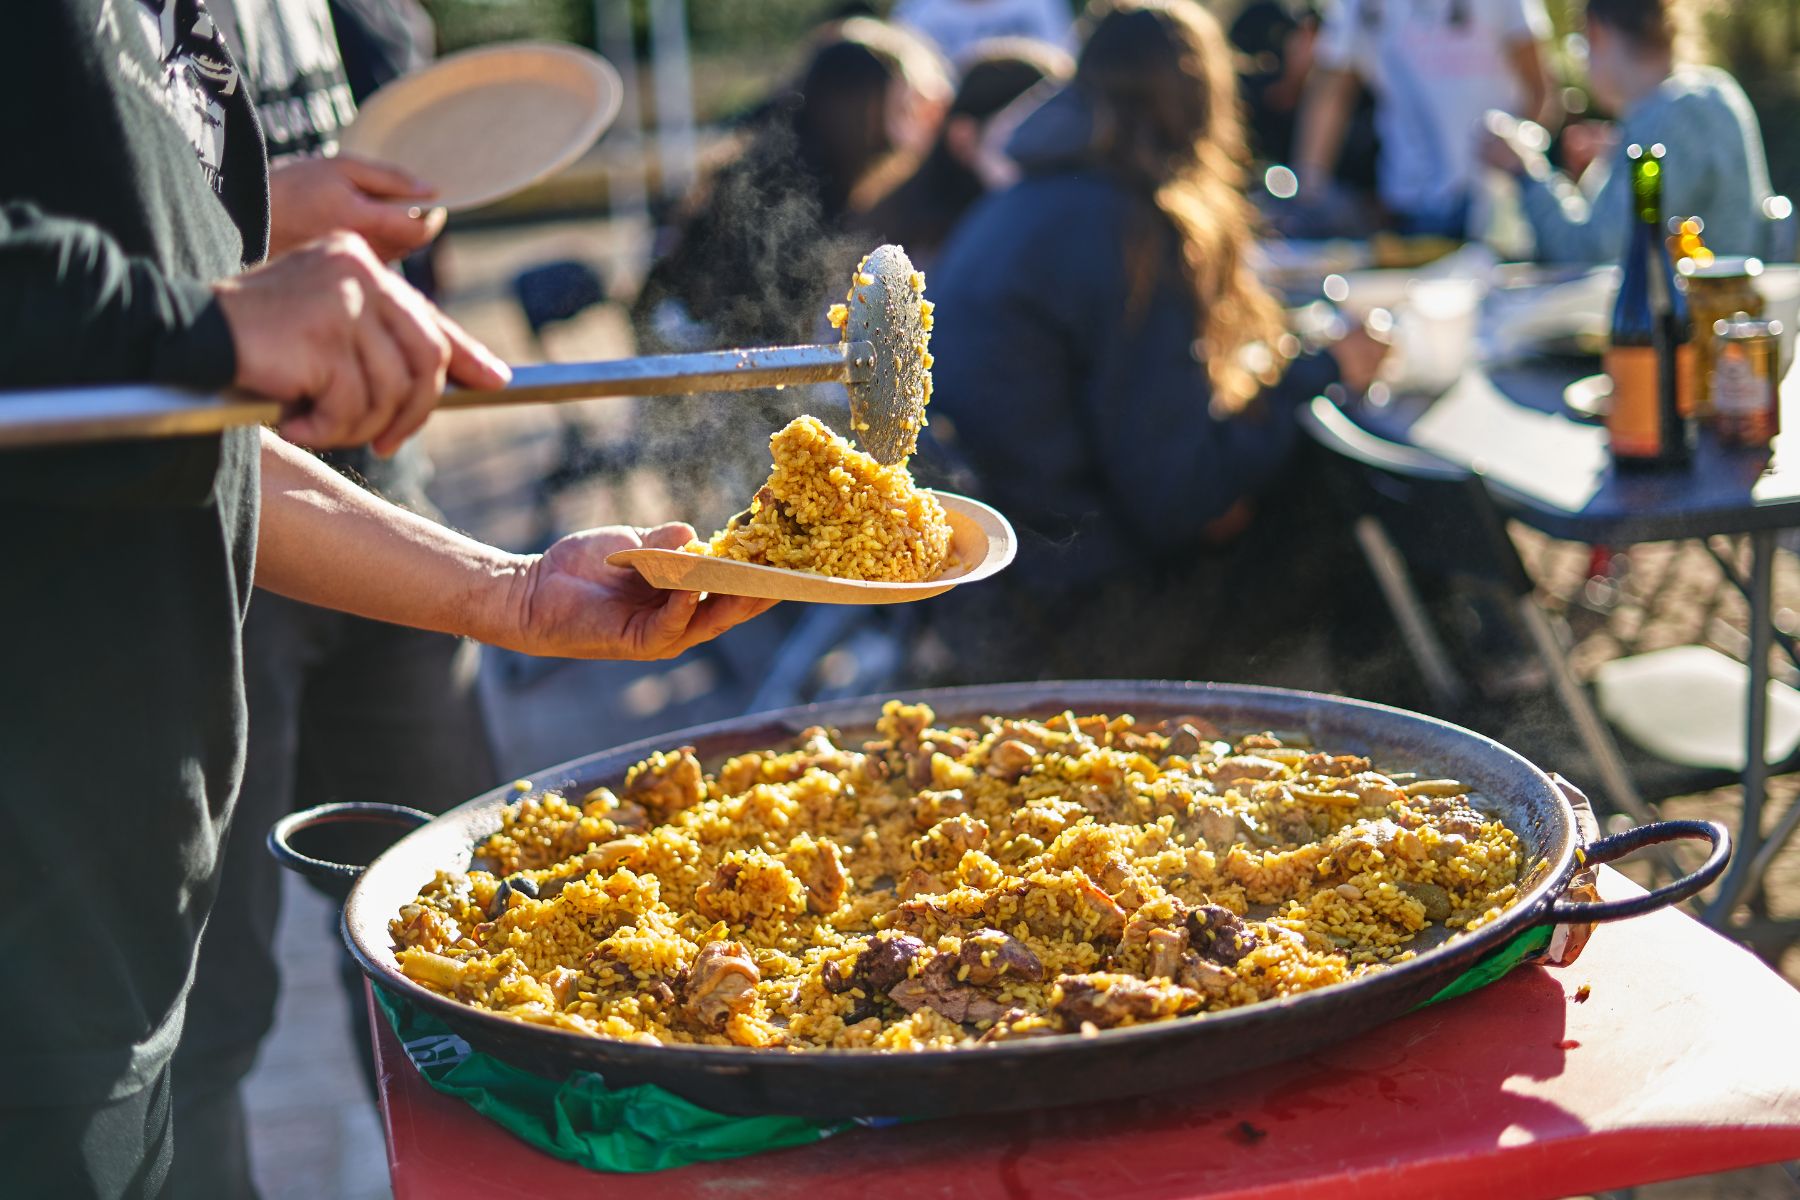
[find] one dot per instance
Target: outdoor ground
(314, 1133)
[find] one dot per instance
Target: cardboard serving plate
(982, 543)
(487, 123)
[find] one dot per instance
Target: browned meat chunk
(937, 988)
(1243, 767)
(722, 981)
(1433, 896)
(1219, 934)
(988, 956)
(1334, 765)
(885, 960)
(666, 783)
(920, 915)
(1106, 1000)
(1185, 741)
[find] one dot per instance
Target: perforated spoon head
(887, 310)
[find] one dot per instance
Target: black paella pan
(1035, 1072)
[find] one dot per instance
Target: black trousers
(341, 709)
(120, 1150)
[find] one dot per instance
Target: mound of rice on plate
(830, 509)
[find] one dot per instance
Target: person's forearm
(1323, 118)
(75, 308)
(325, 541)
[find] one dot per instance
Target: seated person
(1715, 165)
(922, 209)
(1111, 372)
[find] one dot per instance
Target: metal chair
(1417, 512)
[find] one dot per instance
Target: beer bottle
(1651, 334)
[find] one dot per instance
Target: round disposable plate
(981, 544)
(486, 123)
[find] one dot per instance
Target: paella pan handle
(331, 844)
(1620, 845)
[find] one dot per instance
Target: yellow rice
(833, 510)
(1077, 842)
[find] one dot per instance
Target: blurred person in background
(763, 245)
(1435, 67)
(1115, 379)
(341, 708)
(957, 26)
(1276, 40)
(1716, 168)
(920, 212)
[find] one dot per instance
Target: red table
(1684, 1059)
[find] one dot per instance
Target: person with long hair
(1110, 371)
(762, 237)
(920, 212)
(1716, 167)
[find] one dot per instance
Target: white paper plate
(981, 544)
(487, 123)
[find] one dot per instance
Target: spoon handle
(56, 416)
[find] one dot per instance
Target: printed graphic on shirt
(289, 52)
(193, 74)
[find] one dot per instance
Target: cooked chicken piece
(819, 866)
(562, 982)
(724, 880)
(1241, 767)
(1372, 787)
(1111, 923)
(918, 882)
(988, 956)
(1107, 1000)
(721, 982)
(941, 847)
(1333, 765)
(920, 915)
(1209, 979)
(1217, 828)
(1010, 759)
(666, 783)
(904, 724)
(1166, 948)
(1259, 741)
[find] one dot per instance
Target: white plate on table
(484, 124)
(982, 543)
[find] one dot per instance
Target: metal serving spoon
(880, 360)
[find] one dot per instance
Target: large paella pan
(1087, 1060)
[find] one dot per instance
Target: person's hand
(1499, 153)
(1359, 356)
(357, 354)
(570, 604)
(311, 197)
(1585, 141)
